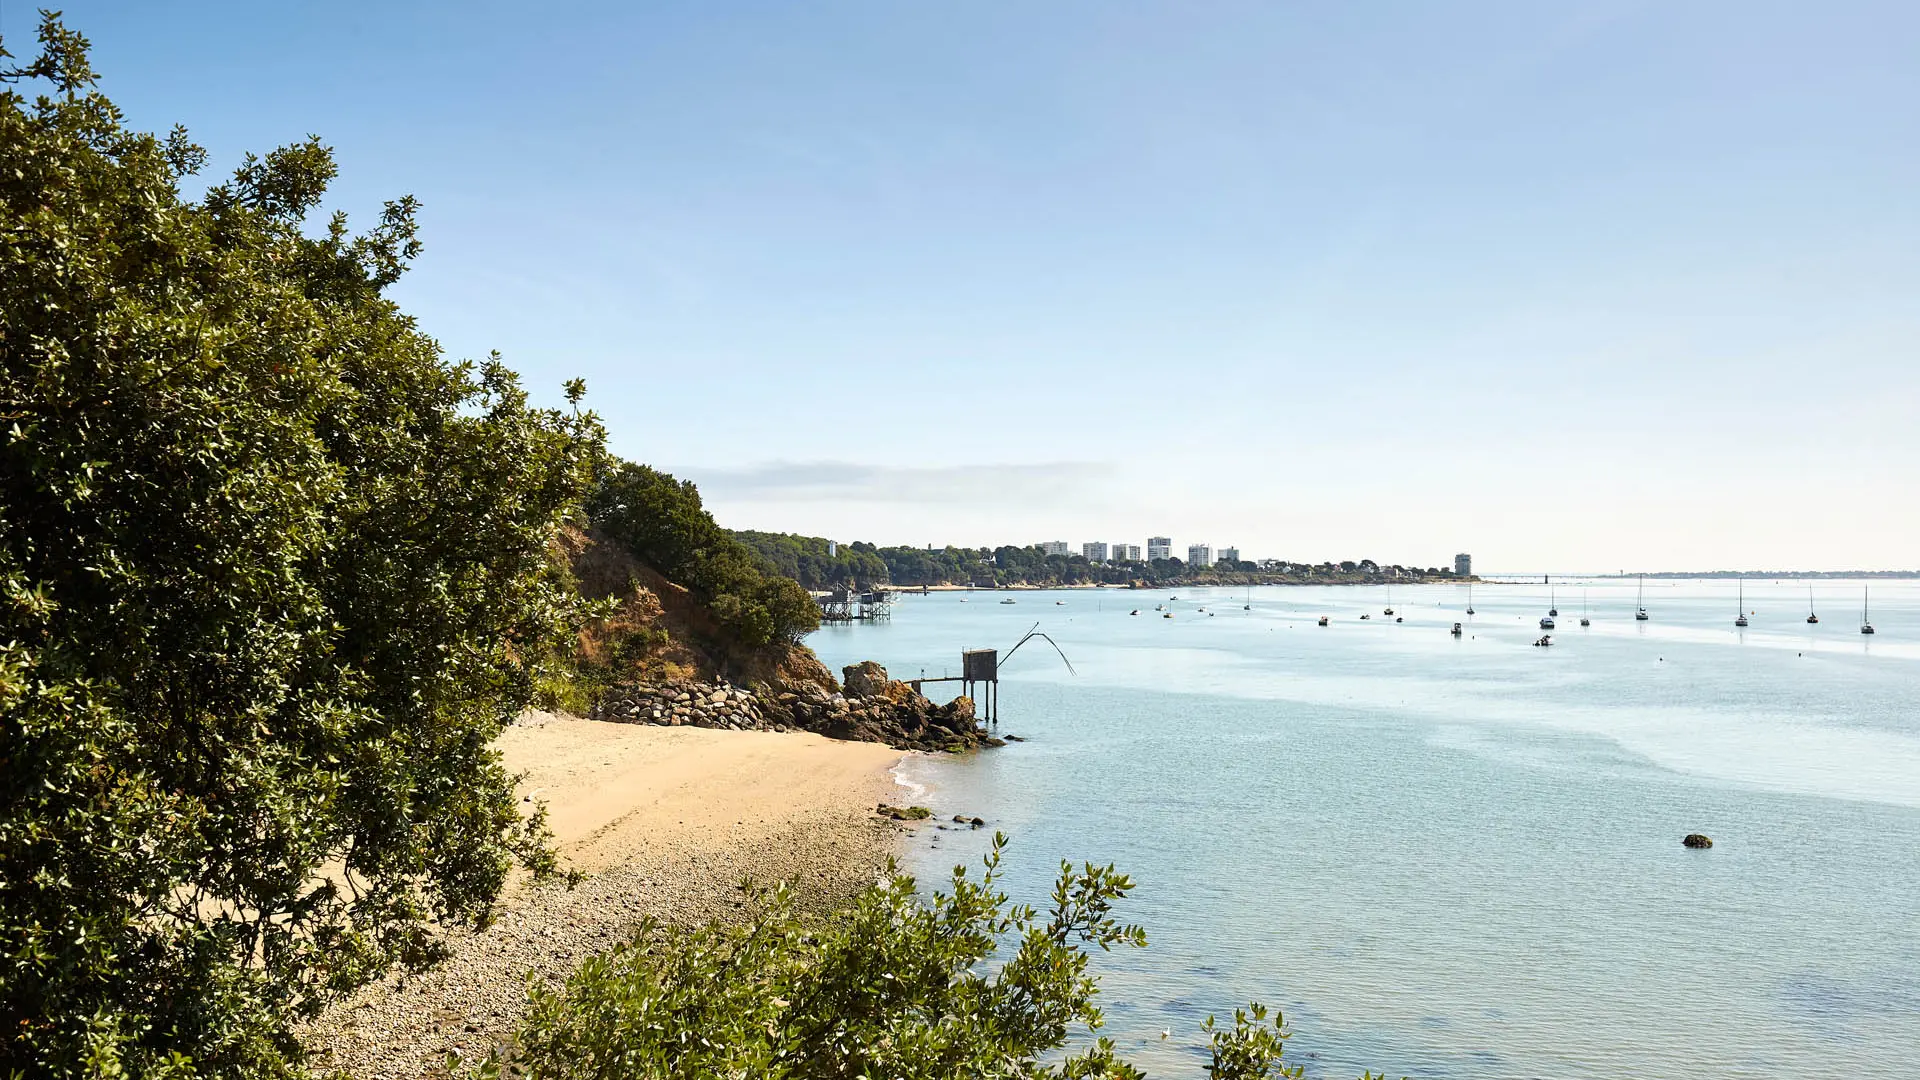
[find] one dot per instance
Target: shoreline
(911, 590)
(665, 822)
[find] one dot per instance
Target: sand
(665, 822)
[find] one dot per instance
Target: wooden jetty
(849, 605)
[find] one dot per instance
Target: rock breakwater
(871, 708)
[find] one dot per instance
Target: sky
(1571, 287)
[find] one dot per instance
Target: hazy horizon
(1629, 285)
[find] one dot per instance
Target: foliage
(891, 987)
(805, 559)
(661, 522)
(272, 576)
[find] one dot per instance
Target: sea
(1445, 856)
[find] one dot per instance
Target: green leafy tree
(273, 574)
(661, 521)
(891, 987)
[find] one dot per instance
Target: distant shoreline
(1163, 585)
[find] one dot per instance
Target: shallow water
(1460, 857)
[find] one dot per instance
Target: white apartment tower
(1126, 553)
(1053, 547)
(1230, 554)
(1094, 552)
(1199, 555)
(1463, 565)
(1159, 547)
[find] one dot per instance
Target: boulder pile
(872, 708)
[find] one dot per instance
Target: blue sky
(1596, 286)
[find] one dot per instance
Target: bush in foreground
(892, 987)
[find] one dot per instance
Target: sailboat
(1740, 619)
(1249, 604)
(1811, 617)
(1388, 610)
(1553, 603)
(1641, 614)
(1866, 624)
(1469, 597)
(1584, 621)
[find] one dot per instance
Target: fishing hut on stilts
(979, 676)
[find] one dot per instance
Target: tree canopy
(274, 575)
(661, 521)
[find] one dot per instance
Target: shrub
(892, 987)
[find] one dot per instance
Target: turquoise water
(1460, 857)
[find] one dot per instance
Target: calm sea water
(1461, 857)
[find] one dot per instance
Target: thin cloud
(841, 481)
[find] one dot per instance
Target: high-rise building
(1094, 552)
(1199, 555)
(1230, 554)
(1159, 547)
(1053, 547)
(1132, 555)
(1463, 565)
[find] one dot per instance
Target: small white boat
(1456, 629)
(1323, 620)
(1059, 603)
(1135, 611)
(1546, 623)
(1008, 600)
(1641, 614)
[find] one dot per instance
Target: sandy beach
(665, 822)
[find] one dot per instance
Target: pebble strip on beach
(404, 1028)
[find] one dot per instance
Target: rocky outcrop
(1696, 840)
(874, 708)
(865, 679)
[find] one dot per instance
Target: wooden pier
(979, 679)
(848, 605)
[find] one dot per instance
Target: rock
(1696, 840)
(865, 679)
(903, 813)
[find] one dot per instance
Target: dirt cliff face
(661, 632)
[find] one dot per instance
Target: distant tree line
(805, 559)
